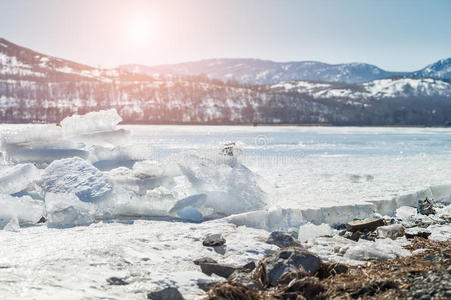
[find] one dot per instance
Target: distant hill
(439, 70)
(36, 87)
(256, 71)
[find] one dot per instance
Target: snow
(75, 175)
(74, 263)
(311, 231)
(380, 249)
(17, 178)
(406, 212)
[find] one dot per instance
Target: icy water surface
(323, 166)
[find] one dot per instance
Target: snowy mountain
(17, 62)
(35, 87)
(440, 69)
(255, 71)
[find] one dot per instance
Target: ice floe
(75, 175)
(65, 210)
(17, 178)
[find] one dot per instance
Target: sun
(141, 30)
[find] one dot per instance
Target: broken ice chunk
(36, 134)
(311, 231)
(380, 249)
(406, 212)
(17, 178)
(104, 120)
(13, 225)
(75, 175)
(108, 158)
(25, 209)
(40, 155)
(116, 137)
(148, 168)
(66, 210)
(228, 189)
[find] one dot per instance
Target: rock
(391, 231)
(220, 249)
(422, 234)
(291, 259)
(426, 207)
(364, 225)
(282, 240)
(42, 220)
(354, 236)
(169, 293)
(116, 281)
(370, 236)
(246, 279)
(247, 268)
(222, 270)
(205, 285)
(204, 260)
(214, 240)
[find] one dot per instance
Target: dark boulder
(364, 225)
(169, 293)
(282, 240)
(214, 240)
(292, 259)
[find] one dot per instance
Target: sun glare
(141, 30)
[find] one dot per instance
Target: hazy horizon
(393, 35)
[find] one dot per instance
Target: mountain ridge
(36, 87)
(258, 71)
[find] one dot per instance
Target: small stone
(169, 293)
(204, 260)
(354, 236)
(116, 281)
(282, 239)
(222, 270)
(422, 234)
(364, 225)
(42, 220)
(247, 268)
(426, 207)
(214, 240)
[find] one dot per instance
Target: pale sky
(397, 35)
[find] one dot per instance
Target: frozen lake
(311, 167)
(303, 170)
